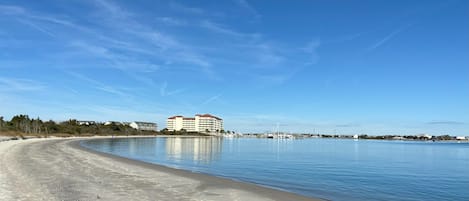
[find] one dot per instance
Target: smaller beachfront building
(144, 126)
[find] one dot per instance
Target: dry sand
(59, 169)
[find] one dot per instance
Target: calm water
(325, 168)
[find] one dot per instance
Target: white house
(146, 126)
(199, 123)
(112, 122)
(425, 136)
(86, 123)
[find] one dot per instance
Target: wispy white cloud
(267, 56)
(173, 50)
(388, 37)
(101, 86)
(116, 60)
(245, 5)
(211, 99)
(112, 90)
(11, 10)
(22, 12)
(84, 78)
(129, 49)
(161, 40)
(156, 43)
(19, 84)
(54, 20)
(219, 28)
(164, 90)
(171, 21)
(345, 38)
(263, 55)
(186, 9)
(135, 49)
(96, 50)
(312, 49)
(37, 27)
(112, 9)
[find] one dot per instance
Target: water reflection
(329, 168)
(176, 150)
(199, 150)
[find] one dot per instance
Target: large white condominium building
(199, 123)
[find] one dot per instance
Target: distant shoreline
(17, 136)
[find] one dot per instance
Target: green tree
(444, 137)
(2, 122)
(21, 123)
(50, 127)
(115, 127)
(71, 127)
(36, 125)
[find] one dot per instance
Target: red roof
(192, 118)
(208, 115)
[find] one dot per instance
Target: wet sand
(60, 169)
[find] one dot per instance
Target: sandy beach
(59, 169)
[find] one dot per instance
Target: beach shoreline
(61, 169)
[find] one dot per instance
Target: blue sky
(374, 67)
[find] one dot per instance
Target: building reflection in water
(199, 150)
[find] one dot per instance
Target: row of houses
(205, 123)
(139, 125)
